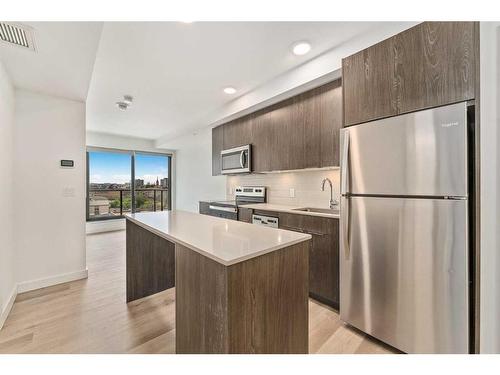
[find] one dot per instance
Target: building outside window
(110, 191)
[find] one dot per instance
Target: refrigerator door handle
(344, 169)
(345, 227)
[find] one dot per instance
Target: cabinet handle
(315, 233)
(304, 231)
(292, 229)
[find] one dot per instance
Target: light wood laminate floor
(91, 316)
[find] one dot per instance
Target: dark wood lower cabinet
(324, 266)
(324, 275)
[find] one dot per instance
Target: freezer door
(404, 276)
(422, 153)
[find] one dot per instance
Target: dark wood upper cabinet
(263, 142)
(329, 117)
(284, 129)
(429, 65)
(297, 133)
(307, 135)
(368, 84)
(217, 146)
(434, 65)
(238, 132)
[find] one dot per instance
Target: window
(151, 182)
(110, 191)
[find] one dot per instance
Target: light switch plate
(68, 192)
(292, 193)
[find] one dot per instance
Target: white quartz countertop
(223, 240)
(288, 209)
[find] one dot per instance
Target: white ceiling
(63, 62)
(176, 71)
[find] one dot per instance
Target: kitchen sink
(330, 211)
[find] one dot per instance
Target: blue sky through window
(150, 167)
(115, 167)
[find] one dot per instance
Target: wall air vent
(17, 34)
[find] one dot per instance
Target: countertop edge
(208, 255)
(288, 209)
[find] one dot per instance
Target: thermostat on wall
(67, 164)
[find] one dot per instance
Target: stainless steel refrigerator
(404, 230)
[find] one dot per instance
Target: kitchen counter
(288, 209)
(233, 281)
(225, 241)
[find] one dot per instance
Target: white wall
(97, 139)
(193, 169)
(49, 218)
(490, 182)
(7, 276)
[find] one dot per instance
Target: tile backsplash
(306, 186)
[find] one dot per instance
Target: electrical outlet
(292, 193)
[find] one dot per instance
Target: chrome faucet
(333, 202)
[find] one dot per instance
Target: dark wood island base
(259, 305)
(150, 263)
(256, 306)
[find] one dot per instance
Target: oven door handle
(220, 208)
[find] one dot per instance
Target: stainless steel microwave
(236, 160)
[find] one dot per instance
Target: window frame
(132, 154)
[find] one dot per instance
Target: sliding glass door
(151, 182)
(110, 191)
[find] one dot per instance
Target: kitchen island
(240, 288)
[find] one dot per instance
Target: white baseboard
(105, 226)
(27, 286)
(6, 311)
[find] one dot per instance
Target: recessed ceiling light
(230, 90)
(301, 48)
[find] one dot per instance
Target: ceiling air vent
(19, 35)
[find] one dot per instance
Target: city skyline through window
(151, 168)
(110, 189)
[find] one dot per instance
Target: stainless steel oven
(230, 209)
(236, 160)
